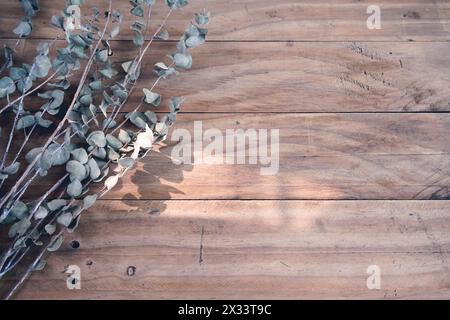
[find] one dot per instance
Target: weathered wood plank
(298, 77)
(256, 20)
(321, 156)
(254, 249)
(356, 156)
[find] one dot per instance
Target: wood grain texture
(298, 77)
(344, 99)
(254, 249)
(326, 156)
(321, 156)
(256, 20)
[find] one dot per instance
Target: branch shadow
(154, 180)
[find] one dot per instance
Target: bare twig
(63, 121)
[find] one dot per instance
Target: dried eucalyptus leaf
(58, 22)
(8, 54)
(99, 153)
(113, 142)
(97, 138)
(76, 170)
(94, 170)
(151, 97)
(25, 122)
(96, 85)
(50, 228)
(42, 66)
(19, 210)
(17, 73)
(77, 41)
(175, 104)
(176, 4)
(19, 228)
(86, 100)
(112, 154)
(161, 128)
(57, 154)
(80, 155)
(89, 201)
(7, 86)
(124, 137)
(24, 84)
(164, 71)
(151, 116)
(11, 169)
(138, 39)
(104, 174)
(137, 11)
(88, 169)
(119, 93)
(55, 97)
(32, 154)
(65, 219)
(111, 182)
(145, 139)
(75, 188)
(42, 122)
(109, 73)
(102, 55)
(194, 42)
(136, 118)
(56, 204)
(109, 123)
(56, 243)
(41, 213)
(126, 65)
(114, 31)
(74, 224)
(23, 29)
(182, 60)
(40, 265)
(162, 35)
(127, 162)
(202, 17)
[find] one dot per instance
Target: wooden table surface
(364, 161)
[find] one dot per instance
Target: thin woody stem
(31, 91)
(30, 269)
(33, 265)
(63, 121)
(16, 119)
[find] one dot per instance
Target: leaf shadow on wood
(153, 179)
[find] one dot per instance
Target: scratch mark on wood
(200, 257)
(435, 244)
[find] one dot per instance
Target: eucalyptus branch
(9, 56)
(43, 83)
(23, 30)
(87, 148)
(54, 187)
(16, 119)
(30, 269)
(63, 121)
